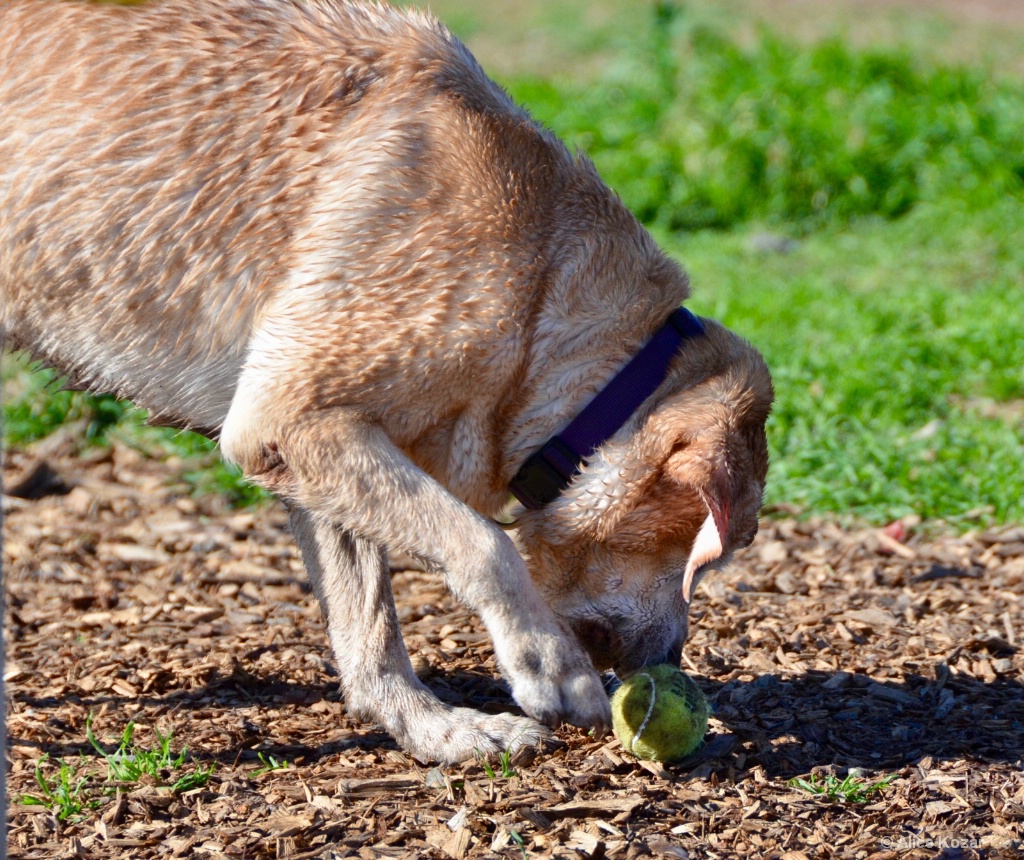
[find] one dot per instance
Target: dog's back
(185, 162)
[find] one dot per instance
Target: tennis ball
(660, 714)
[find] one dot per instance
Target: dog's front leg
(354, 492)
(351, 578)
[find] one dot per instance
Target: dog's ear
(707, 549)
(709, 477)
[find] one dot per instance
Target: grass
(892, 325)
(505, 763)
(698, 132)
(65, 794)
(269, 764)
(130, 763)
(72, 792)
(38, 407)
(850, 789)
(896, 357)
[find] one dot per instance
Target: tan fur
(319, 232)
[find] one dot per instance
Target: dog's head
(669, 497)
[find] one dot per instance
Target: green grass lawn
(897, 355)
(855, 212)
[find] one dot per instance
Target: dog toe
(576, 698)
(586, 704)
(456, 735)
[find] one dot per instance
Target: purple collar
(551, 469)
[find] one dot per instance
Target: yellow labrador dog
(317, 231)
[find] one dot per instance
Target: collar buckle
(545, 474)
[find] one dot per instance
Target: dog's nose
(600, 640)
(640, 658)
(653, 647)
(674, 655)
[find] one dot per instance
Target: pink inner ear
(707, 548)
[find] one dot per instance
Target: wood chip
(596, 808)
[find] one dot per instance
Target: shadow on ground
(787, 725)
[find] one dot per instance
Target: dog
(316, 231)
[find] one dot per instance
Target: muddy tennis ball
(660, 714)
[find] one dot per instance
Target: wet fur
(320, 233)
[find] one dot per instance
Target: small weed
(518, 839)
(129, 763)
(65, 796)
(270, 763)
(851, 789)
(505, 759)
(196, 779)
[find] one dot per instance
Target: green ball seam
(647, 717)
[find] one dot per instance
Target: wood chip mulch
(825, 652)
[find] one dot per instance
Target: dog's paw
(554, 681)
(452, 735)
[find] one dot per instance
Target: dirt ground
(823, 651)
